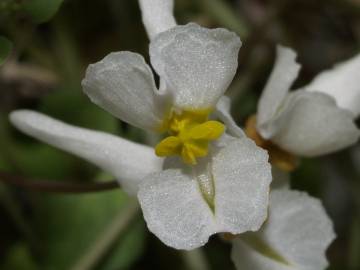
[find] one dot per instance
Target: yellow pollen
(277, 156)
(189, 135)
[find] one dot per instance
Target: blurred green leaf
(5, 48)
(308, 177)
(3, 164)
(127, 249)
(224, 14)
(42, 10)
(19, 257)
(43, 161)
(72, 106)
(70, 224)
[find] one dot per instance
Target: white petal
(298, 229)
(284, 73)
(196, 63)
(157, 16)
(127, 161)
(246, 258)
(123, 84)
(311, 124)
(342, 83)
(242, 176)
(176, 211)
(223, 113)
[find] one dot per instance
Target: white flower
(157, 16)
(217, 185)
(295, 236)
(315, 120)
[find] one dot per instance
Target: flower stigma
(189, 135)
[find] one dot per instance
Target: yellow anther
(210, 130)
(190, 133)
(169, 146)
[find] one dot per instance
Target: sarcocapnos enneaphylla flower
(208, 182)
(294, 237)
(315, 120)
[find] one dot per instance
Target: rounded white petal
(298, 229)
(242, 176)
(157, 16)
(246, 258)
(196, 63)
(342, 83)
(123, 84)
(175, 208)
(129, 162)
(284, 73)
(311, 124)
(223, 113)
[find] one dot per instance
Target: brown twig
(53, 186)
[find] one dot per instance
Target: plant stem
(106, 240)
(223, 13)
(53, 186)
(195, 259)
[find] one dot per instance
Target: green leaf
(42, 10)
(5, 49)
(43, 161)
(127, 249)
(73, 107)
(70, 225)
(19, 257)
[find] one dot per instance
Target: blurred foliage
(41, 10)
(49, 44)
(5, 49)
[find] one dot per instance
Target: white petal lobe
(123, 84)
(178, 211)
(175, 210)
(311, 124)
(157, 16)
(246, 258)
(342, 83)
(223, 113)
(196, 63)
(298, 229)
(127, 161)
(284, 73)
(242, 177)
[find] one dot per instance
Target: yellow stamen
(190, 133)
(169, 146)
(278, 157)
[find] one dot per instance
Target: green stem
(56, 186)
(106, 240)
(195, 259)
(224, 15)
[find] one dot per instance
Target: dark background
(51, 50)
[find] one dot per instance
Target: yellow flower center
(189, 135)
(277, 156)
